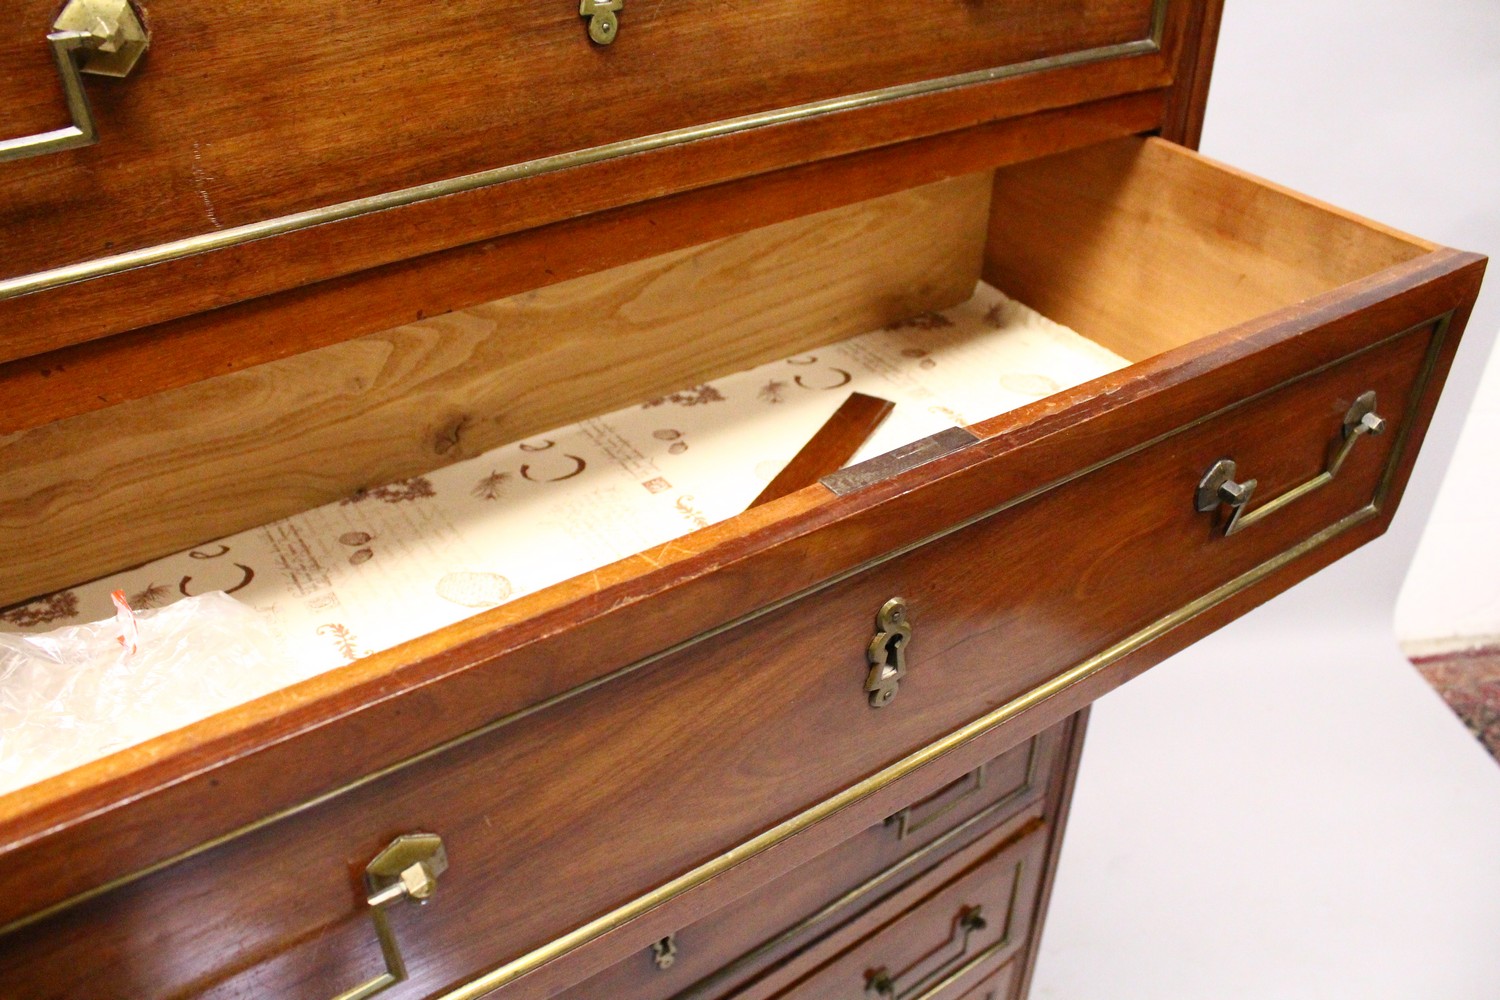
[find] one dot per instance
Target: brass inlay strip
(1077, 674)
(236, 235)
(1402, 437)
(985, 955)
(874, 882)
(932, 985)
(597, 928)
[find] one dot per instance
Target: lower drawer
(786, 916)
(998, 985)
(943, 935)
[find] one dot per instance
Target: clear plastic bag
(75, 694)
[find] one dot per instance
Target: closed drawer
(622, 753)
(789, 914)
(937, 940)
(998, 985)
(247, 126)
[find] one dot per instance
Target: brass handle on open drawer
(881, 983)
(1218, 485)
(108, 39)
(407, 869)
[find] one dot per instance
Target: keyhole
(886, 653)
(893, 649)
(664, 952)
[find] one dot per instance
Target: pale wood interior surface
(107, 490)
(1140, 245)
(1143, 245)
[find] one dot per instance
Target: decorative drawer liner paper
(401, 560)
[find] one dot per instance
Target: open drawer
(605, 752)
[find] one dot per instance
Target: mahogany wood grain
(1184, 119)
(915, 934)
(758, 721)
(831, 447)
(1059, 805)
(793, 914)
(285, 295)
(108, 819)
(1123, 242)
(1001, 985)
(118, 487)
(1144, 246)
(277, 121)
(273, 119)
(91, 376)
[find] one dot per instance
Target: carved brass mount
(407, 869)
(604, 24)
(102, 37)
(887, 653)
(880, 983)
(1218, 485)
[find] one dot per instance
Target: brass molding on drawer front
(1080, 672)
(531, 961)
(220, 239)
(903, 767)
(886, 877)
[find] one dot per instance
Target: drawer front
(960, 925)
(783, 917)
(999, 985)
(568, 821)
(243, 116)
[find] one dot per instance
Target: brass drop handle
(1219, 486)
(407, 869)
(880, 983)
(103, 37)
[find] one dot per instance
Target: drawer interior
(1137, 245)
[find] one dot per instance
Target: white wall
(1452, 595)
(1451, 599)
(1392, 109)
(1286, 810)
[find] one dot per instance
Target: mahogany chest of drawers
(822, 749)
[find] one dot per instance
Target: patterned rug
(1469, 682)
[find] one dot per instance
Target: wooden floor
(1469, 682)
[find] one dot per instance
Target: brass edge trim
(160, 253)
(937, 988)
(1414, 405)
(874, 882)
(597, 928)
(750, 616)
(1032, 698)
(963, 970)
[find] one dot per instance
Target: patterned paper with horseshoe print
(396, 560)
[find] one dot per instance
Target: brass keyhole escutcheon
(604, 22)
(664, 952)
(887, 652)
